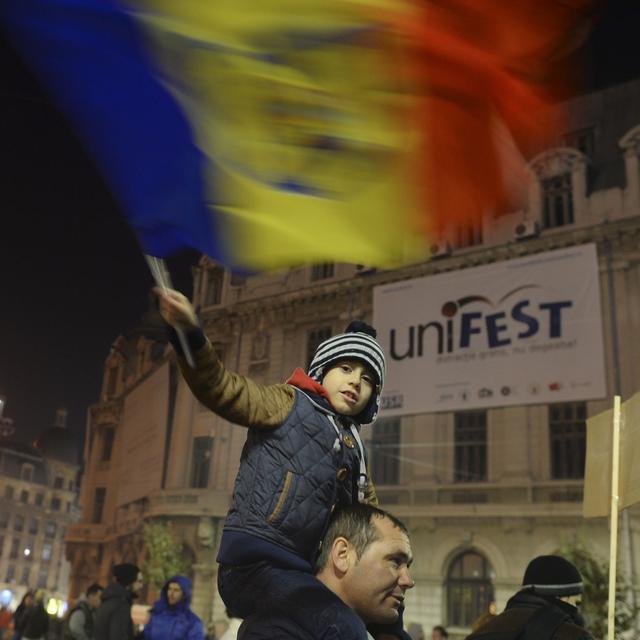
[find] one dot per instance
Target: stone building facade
(38, 502)
(475, 519)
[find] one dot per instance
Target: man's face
(94, 599)
(136, 587)
(175, 594)
(376, 583)
(349, 384)
(436, 634)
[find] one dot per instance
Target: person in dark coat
(113, 618)
(20, 613)
(171, 616)
(546, 608)
(36, 620)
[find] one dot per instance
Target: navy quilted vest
(291, 477)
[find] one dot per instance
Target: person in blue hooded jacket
(171, 616)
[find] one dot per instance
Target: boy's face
(349, 384)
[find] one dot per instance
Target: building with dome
(38, 502)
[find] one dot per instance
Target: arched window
(469, 588)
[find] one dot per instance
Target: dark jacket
(19, 618)
(80, 608)
(518, 613)
(113, 617)
(294, 467)
(36, 622)
(177, 622)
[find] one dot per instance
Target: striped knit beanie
(552, 576)
(358, 343)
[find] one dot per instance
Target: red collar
(303, 382)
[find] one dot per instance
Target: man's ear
(341, 552)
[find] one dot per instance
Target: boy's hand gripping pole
(162, 278)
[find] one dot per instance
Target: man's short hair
(356, 524)
(94, 588)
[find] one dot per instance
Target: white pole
(613, 554)
(163, 280)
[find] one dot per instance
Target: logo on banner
(460, 330)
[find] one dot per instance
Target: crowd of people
(305, 553)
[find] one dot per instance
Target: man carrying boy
(303, 458)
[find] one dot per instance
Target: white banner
(515, 332)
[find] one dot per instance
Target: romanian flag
(268, 133)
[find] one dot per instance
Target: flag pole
(161, 276)
(615, 500)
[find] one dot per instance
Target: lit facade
(482, 491)
(38, 502)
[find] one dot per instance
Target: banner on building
(144, 426)
(514, 332)
(597, 474)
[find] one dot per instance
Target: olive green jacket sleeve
(241, 400)
(234, 397)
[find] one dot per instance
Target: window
(26, 472)
(314, 339)
(108, 436)
(98, 504)
(18, 522)
(322, 271)
(58, 482)
(385, 463)
(11, 573)
(8, 492)
(33, 526)
(202, 447)
(468, 235)
(112, 380)
(70, 485)
(24, 496)
(469, 589)
(50, 530)
(583, 140)
(43, 574)
(25, 575)
(15, 547)
(55, 504)
(557, 196)
(39, 499)
(4, 519)
(470, 456)
(45, 555)
(567, 434)
(213, 292)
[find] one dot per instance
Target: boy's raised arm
(233, 397)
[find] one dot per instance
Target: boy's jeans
(305, 599)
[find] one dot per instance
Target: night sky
(72, 277)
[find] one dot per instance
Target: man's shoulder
(277, 626)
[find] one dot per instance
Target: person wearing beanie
(113, 617)
(302, 459)
(545, 608)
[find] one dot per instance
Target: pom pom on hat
(358, 326)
